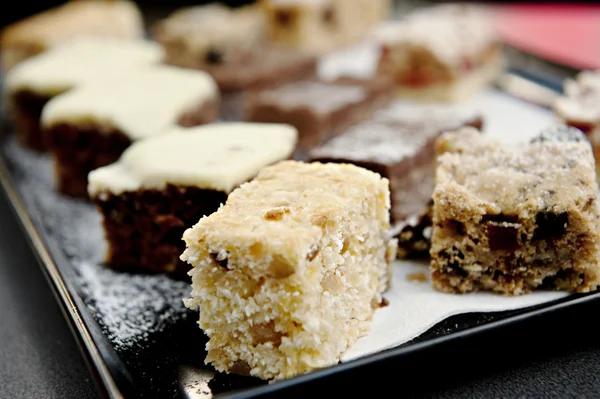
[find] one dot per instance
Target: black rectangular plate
(155, 366)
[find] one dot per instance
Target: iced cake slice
(442, 53)
(320, 26)
(164, 184)
(32, 83)
(90, 126)
(398, 143)
(319, 110)
(580, 107)
(511, 219)
(43, 31)
(287, 274)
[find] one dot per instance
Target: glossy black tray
(167, 361)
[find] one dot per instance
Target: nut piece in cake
(287, 274)
(38, 33)
(32, 83)
(164, 184)
(90, 126)
(318, 109)
(320, 26)
(398, 143)
(441, 53)
(511, 219)
(580, 106)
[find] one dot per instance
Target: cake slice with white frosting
(32, 83)
(164, 184)
(90, 126)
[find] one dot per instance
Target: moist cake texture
(511, 219)
(164, 184)
(398, 143)
(32, 83)
(442, 53)
(323, 25)
(90, 126)
(319, 110)
(43, 31)
(287, 274)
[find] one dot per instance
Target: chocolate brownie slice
(319, 110)
(398, 142)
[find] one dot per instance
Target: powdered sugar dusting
(396, 132)
(322, 97)
(372, 141)
(128, 307)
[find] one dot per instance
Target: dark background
(550, 356)
(23, 8)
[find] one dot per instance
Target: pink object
(567, 34)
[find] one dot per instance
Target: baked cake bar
(580, 107)
(287, 274)
(164, 184)
(38, 33)
(91, 125)
(218, 39)
(442, 53)
(511, 219)
(398, 143)
(319, 110)
(32, 83)
(210, 35)
(320, 26)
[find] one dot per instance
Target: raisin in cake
(32, 83)
(287, 274)
(90, 126)
(511, 219)
(164, 184)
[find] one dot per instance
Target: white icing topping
(141, 103)
(581, 100)
(81, 60)
(451, 32)
(322, 97)
(218, 156)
